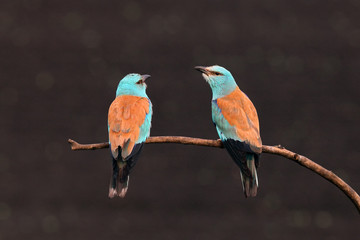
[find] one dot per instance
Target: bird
(237, 124)
(129, 123)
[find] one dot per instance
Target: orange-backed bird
(237, 124)
(129, 122)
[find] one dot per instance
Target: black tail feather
(250, 183)
(121, 169)
(119, 180)
(247, 161)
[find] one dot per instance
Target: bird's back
(236, 117)
(127, 114)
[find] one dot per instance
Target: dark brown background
(299, 62)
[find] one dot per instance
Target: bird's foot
(279, 146)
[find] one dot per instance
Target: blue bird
(237, 124)
(129, 122)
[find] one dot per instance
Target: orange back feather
(126, 115)
(240, 112)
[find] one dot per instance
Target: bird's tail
(250, 183)
(119, 181)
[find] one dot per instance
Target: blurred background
(61, 61)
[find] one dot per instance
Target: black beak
(201, 69)
(144, 77)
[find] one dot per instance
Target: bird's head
(220, 80)
(132, 84)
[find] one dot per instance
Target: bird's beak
(144, 77)
(202, 69)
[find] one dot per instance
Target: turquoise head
(132, 84)
(220, 80)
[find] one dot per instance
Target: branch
(277, 150)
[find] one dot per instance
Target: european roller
(237, 124)
(129, 122)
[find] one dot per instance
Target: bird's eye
(217, 73)
(139, 82)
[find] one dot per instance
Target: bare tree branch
(277, 150)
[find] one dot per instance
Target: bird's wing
(127, 115)
(236, 118)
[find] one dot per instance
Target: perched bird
(237, 124)
(129, 122)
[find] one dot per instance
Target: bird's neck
(130, 91)
(223, 90)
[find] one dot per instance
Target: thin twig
(277, 150)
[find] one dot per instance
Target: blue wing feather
(145, 127)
